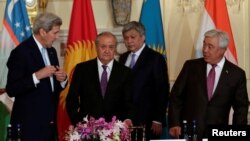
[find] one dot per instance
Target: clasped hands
(156, 127)
(48, 71)
(128, 123)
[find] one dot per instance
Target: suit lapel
(124, 57)
(203, 71)
(114, 77)
(94, 77)
(142, 57)
(223, 79)
(35, 53)
(52, 57)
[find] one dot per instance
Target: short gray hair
(134, 25)
(46, 21)
(223, 37)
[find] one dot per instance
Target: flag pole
(43, 4)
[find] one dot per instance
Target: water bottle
(194, 132)
(9, 133)
(185, 130)
(18, 132)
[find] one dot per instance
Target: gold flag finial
(43, 4)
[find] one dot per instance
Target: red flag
(216, 16)
(80, 47)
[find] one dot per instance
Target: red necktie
(210, 82)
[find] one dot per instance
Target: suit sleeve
(161, 82)
(176, 98)
(19, 80)
(240, 105)
(127, 113)
(72, 100)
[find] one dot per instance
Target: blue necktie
(104, 80)
(132, 63)
(44, 50)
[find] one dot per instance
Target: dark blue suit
(35, 106)
(150, 88)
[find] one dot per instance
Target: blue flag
(151, 19)
(16, 28)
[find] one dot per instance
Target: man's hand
(156, 128)
(2, 90)
(45, 72)
(128, 122)
(175, 132)
(60, 74)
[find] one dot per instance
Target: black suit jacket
(85, 98)
(150, 87)
(34, 106)
(189, 100)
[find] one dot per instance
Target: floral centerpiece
(98, 130)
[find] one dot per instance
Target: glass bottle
(185, 130)
(194, 132)
(18, 132)
(9, 133)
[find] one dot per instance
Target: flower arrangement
(98, 130)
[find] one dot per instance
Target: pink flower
(98, 130)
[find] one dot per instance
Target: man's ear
(42, 32)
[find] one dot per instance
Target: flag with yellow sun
(80, 48)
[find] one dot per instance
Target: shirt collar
(138, 52)
(221, 63)
(38, 43)
(109, 65)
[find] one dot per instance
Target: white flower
(74, 137)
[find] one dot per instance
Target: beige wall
(181, 26)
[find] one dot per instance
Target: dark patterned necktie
(104, 80)
(210, 82)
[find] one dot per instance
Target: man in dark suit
(150, 85)
(189, 98)
(36, 82)
(87, 97)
